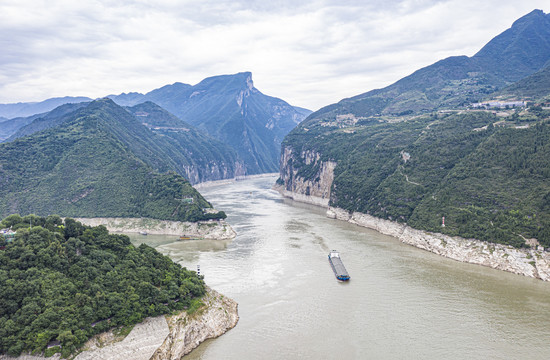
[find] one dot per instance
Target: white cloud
(311, 54)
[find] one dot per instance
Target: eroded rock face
(140, 344)
(162, 337)
(188, 331)
(316, 191)
(219, 230)
(213, 171)
(528, 262)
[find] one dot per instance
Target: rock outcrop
(306, 178)
(187, 331)
(212, 229)
(163, 337)
(213, 171)
(140, 344)
(528, 262)
(300, 188)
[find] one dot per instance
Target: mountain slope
(457, 81)
(230, 109)
(38, 122)
(519, 51)
(165, 142)
(92, 166)
(198, 157)
(487, 175)
(533, 87)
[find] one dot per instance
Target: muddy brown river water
(401, 302)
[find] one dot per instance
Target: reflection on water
(401, 302)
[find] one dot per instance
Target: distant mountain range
(230, 109)
(415, 152)
(99, 161)
(25, 109)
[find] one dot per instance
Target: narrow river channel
(401, 302)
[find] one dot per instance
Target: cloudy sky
(310, 53)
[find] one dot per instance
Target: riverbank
(163, 337)
(206, 184)
(187, 331)
(533, 262)
(211, 229)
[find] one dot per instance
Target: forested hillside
(457, 81)
(418, 151)
(101, 163)
(62, 282)
(490, 179)
(171, 143)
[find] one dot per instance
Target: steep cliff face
(213, 171)
(188, 331)
(230, 109)
(306, 177)
(196, 155)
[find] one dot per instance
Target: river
(401, 302)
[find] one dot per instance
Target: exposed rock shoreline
(532, 262)
(206, 184)
(212, 229)
(164, 337)
(219, 315)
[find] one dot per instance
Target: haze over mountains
(459, 80)
(14, 110)
(228, 108)
(417, 151)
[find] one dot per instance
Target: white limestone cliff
(533, 262)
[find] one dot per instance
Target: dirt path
(406, 177)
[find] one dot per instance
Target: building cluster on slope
(500, 104)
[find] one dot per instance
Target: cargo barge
(337, 266)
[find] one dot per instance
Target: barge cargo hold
(337, 266)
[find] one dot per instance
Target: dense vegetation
(414, 152)
(490, 182)
(60, 280)
(159, 138)
(531, 87)
(95, 166)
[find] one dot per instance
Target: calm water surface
(401, 302)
